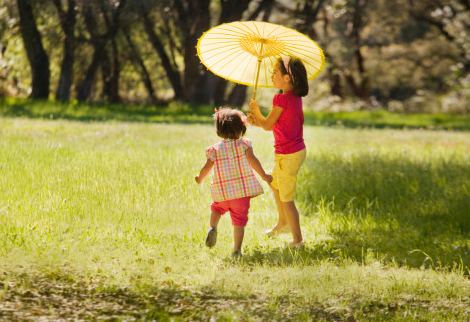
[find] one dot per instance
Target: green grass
(90, 112)
(106, 217)
(384, 119)
(183, 113)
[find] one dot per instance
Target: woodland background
(402, 55)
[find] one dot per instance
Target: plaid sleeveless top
(233, 177)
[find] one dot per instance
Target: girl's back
(233, 177)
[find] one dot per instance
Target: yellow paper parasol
(246, 51)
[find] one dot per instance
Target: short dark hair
(298, 77)
(229, 123)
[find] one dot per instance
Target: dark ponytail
(298, 75)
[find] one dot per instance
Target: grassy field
(102, 220)
(181, 113)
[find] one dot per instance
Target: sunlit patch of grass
(384, 215)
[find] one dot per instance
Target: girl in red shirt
(286, 120)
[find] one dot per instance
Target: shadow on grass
(285, 256)
(378, 209)
(53, 298)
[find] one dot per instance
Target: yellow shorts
(286, 167)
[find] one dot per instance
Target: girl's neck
(288, 88)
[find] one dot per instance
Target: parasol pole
(260, 58)
(257, 75)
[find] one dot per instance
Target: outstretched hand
(198, 180)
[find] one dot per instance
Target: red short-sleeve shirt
(288, 130)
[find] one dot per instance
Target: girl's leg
(292, 216)
(211, 238)
(287, 181)
(238, 233)
(214, 219)
(281, 220)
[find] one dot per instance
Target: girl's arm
(256, 165)
(206, 169)
(266, 123)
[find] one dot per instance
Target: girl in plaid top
(233, 182)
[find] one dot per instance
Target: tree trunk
(334, 78)
(99, 43)
(195, 18)
(115, 75)
(309, 13)
(265, 6)
(237, 96)
(135, 57)
(84, 88)
(113, 25)
(333, 73)
(67, 21)
(110, 69)
(172, 74)
(106, 74)
(364, 85)
(361, 90)
(37, 57)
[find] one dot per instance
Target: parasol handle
(257, 75)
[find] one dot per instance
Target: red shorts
(238, 209)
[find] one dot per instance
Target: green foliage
(406, 48)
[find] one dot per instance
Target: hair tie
(286, 60)
(244, 120)
(216, 114)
